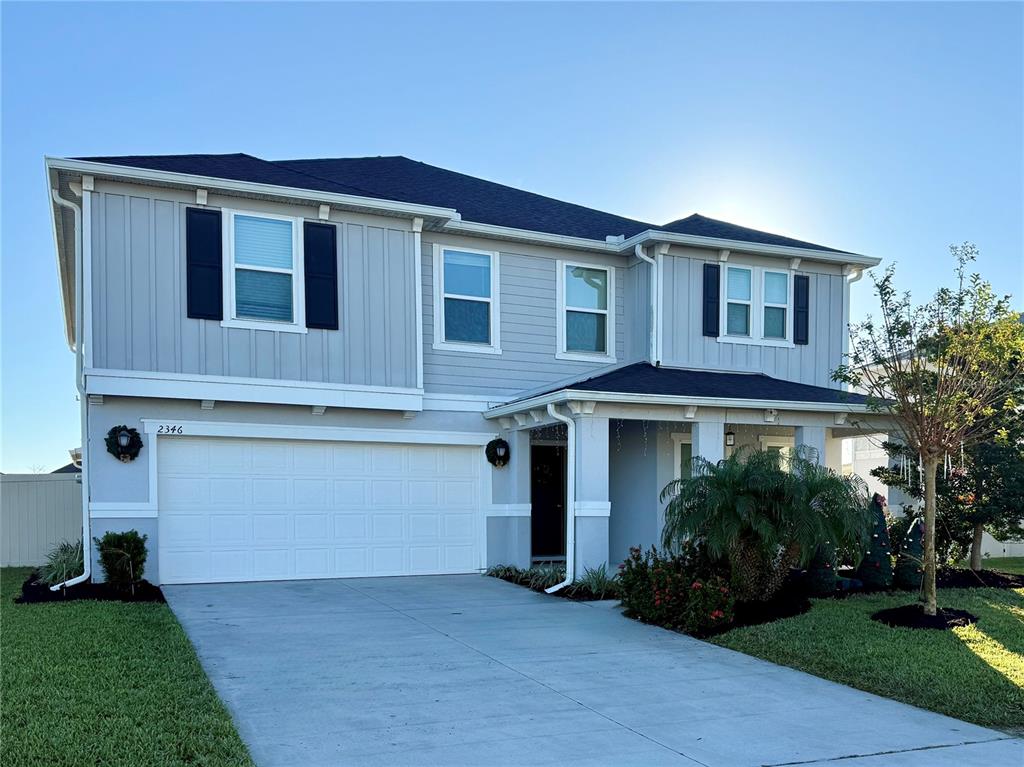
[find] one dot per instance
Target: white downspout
(82, 398)
(655, 334)
(570, 498)
(851, 274)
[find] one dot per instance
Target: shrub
(822, 580)
(541, 577)
(909, 564)
(506, 573)
(64, 562)
(596, 583)
(875, 569)
(123, 558)
(678, 590)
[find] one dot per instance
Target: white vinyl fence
(37, 511)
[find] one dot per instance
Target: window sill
(747, 340)
(451, 346)
(584, 357)
(277, 327)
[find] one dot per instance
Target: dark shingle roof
(478, 200)
(644, 378)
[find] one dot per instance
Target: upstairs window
(263, 288)
(466, 290)
(586, 293)
(757, 305)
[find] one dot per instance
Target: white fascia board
(126, 383)
(527, 235)
(153, 426)
(565, 395)
(229, 185)
(785, 251)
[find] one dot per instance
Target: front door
(547, 498)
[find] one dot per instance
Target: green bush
(596, 583)
(679, 590)
(123, 558)
(910, 562)
(64, 562)
(822, 580)
(875, 570)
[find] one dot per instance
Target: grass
(104, 683)
(1013, 565)
(975, 673)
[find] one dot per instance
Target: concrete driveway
(467, 670)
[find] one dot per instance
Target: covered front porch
(607, 456)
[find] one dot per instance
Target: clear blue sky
(892, 129)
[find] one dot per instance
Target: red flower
(723, 589)
(697, 585)
(717, 614)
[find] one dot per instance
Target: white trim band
(509, 510)
(593, 508)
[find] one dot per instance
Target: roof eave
(393, 207)
(786, 251)
(565, 395)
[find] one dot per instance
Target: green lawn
(104, 683)
(1005, 564)
(974, 673)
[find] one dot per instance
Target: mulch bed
(913, 617)
(33, 592)
(965, 578)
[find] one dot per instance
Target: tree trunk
(979, 531)
(931, 467)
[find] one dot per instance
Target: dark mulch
(965, 578)
(33, 592)
(913, 617)
(786, 604)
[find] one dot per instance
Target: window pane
(263, 295)
(685, 460)
(585, 332)
(739, 284)
(774, 322)
(737, 321)
(467, 321)
(263, 242)
(467, 274)
(586, 288)
(776, 288)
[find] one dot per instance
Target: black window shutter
(801, 308)
(204, 265)
(321, 266)
(711, 299)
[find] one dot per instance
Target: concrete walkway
(467, 670)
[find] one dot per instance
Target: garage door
(242, 510)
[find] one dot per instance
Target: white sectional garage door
(263, 509)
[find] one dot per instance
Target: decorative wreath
(127, 452)
(494, 447)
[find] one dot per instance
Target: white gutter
(229, 185)
(527, 235)
(655, 334)
(566, 395)
(850, 276)
(82, 398)
(570, 499)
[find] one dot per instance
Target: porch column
(593, 506)
(508, 516)
(834, 452)
(709, 440)
(813, 437)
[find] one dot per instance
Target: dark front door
(547, 498)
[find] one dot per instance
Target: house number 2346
(170, 428)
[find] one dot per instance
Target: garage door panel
(275, 509)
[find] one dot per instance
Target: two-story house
(319, 356)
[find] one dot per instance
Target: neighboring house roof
(400, 179)
(69, 469)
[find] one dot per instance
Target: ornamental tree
(942, 372)
(875, 569)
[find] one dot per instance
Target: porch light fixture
(497, 452)
(730, 438)
(123, 443)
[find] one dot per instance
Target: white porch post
(812, 437)
(508, 517)
(593, 506)
(709, 440)
(834, 452)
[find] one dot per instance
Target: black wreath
(125, 454)
(491, 451)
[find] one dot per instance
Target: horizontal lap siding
(140, 320)
(684, 344)
(528, 305)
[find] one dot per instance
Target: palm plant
(750, 511)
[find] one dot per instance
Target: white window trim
(609, 344)
(757, 306)
(298, 323)
(678, 440)
(787, 444)
(494, 347)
